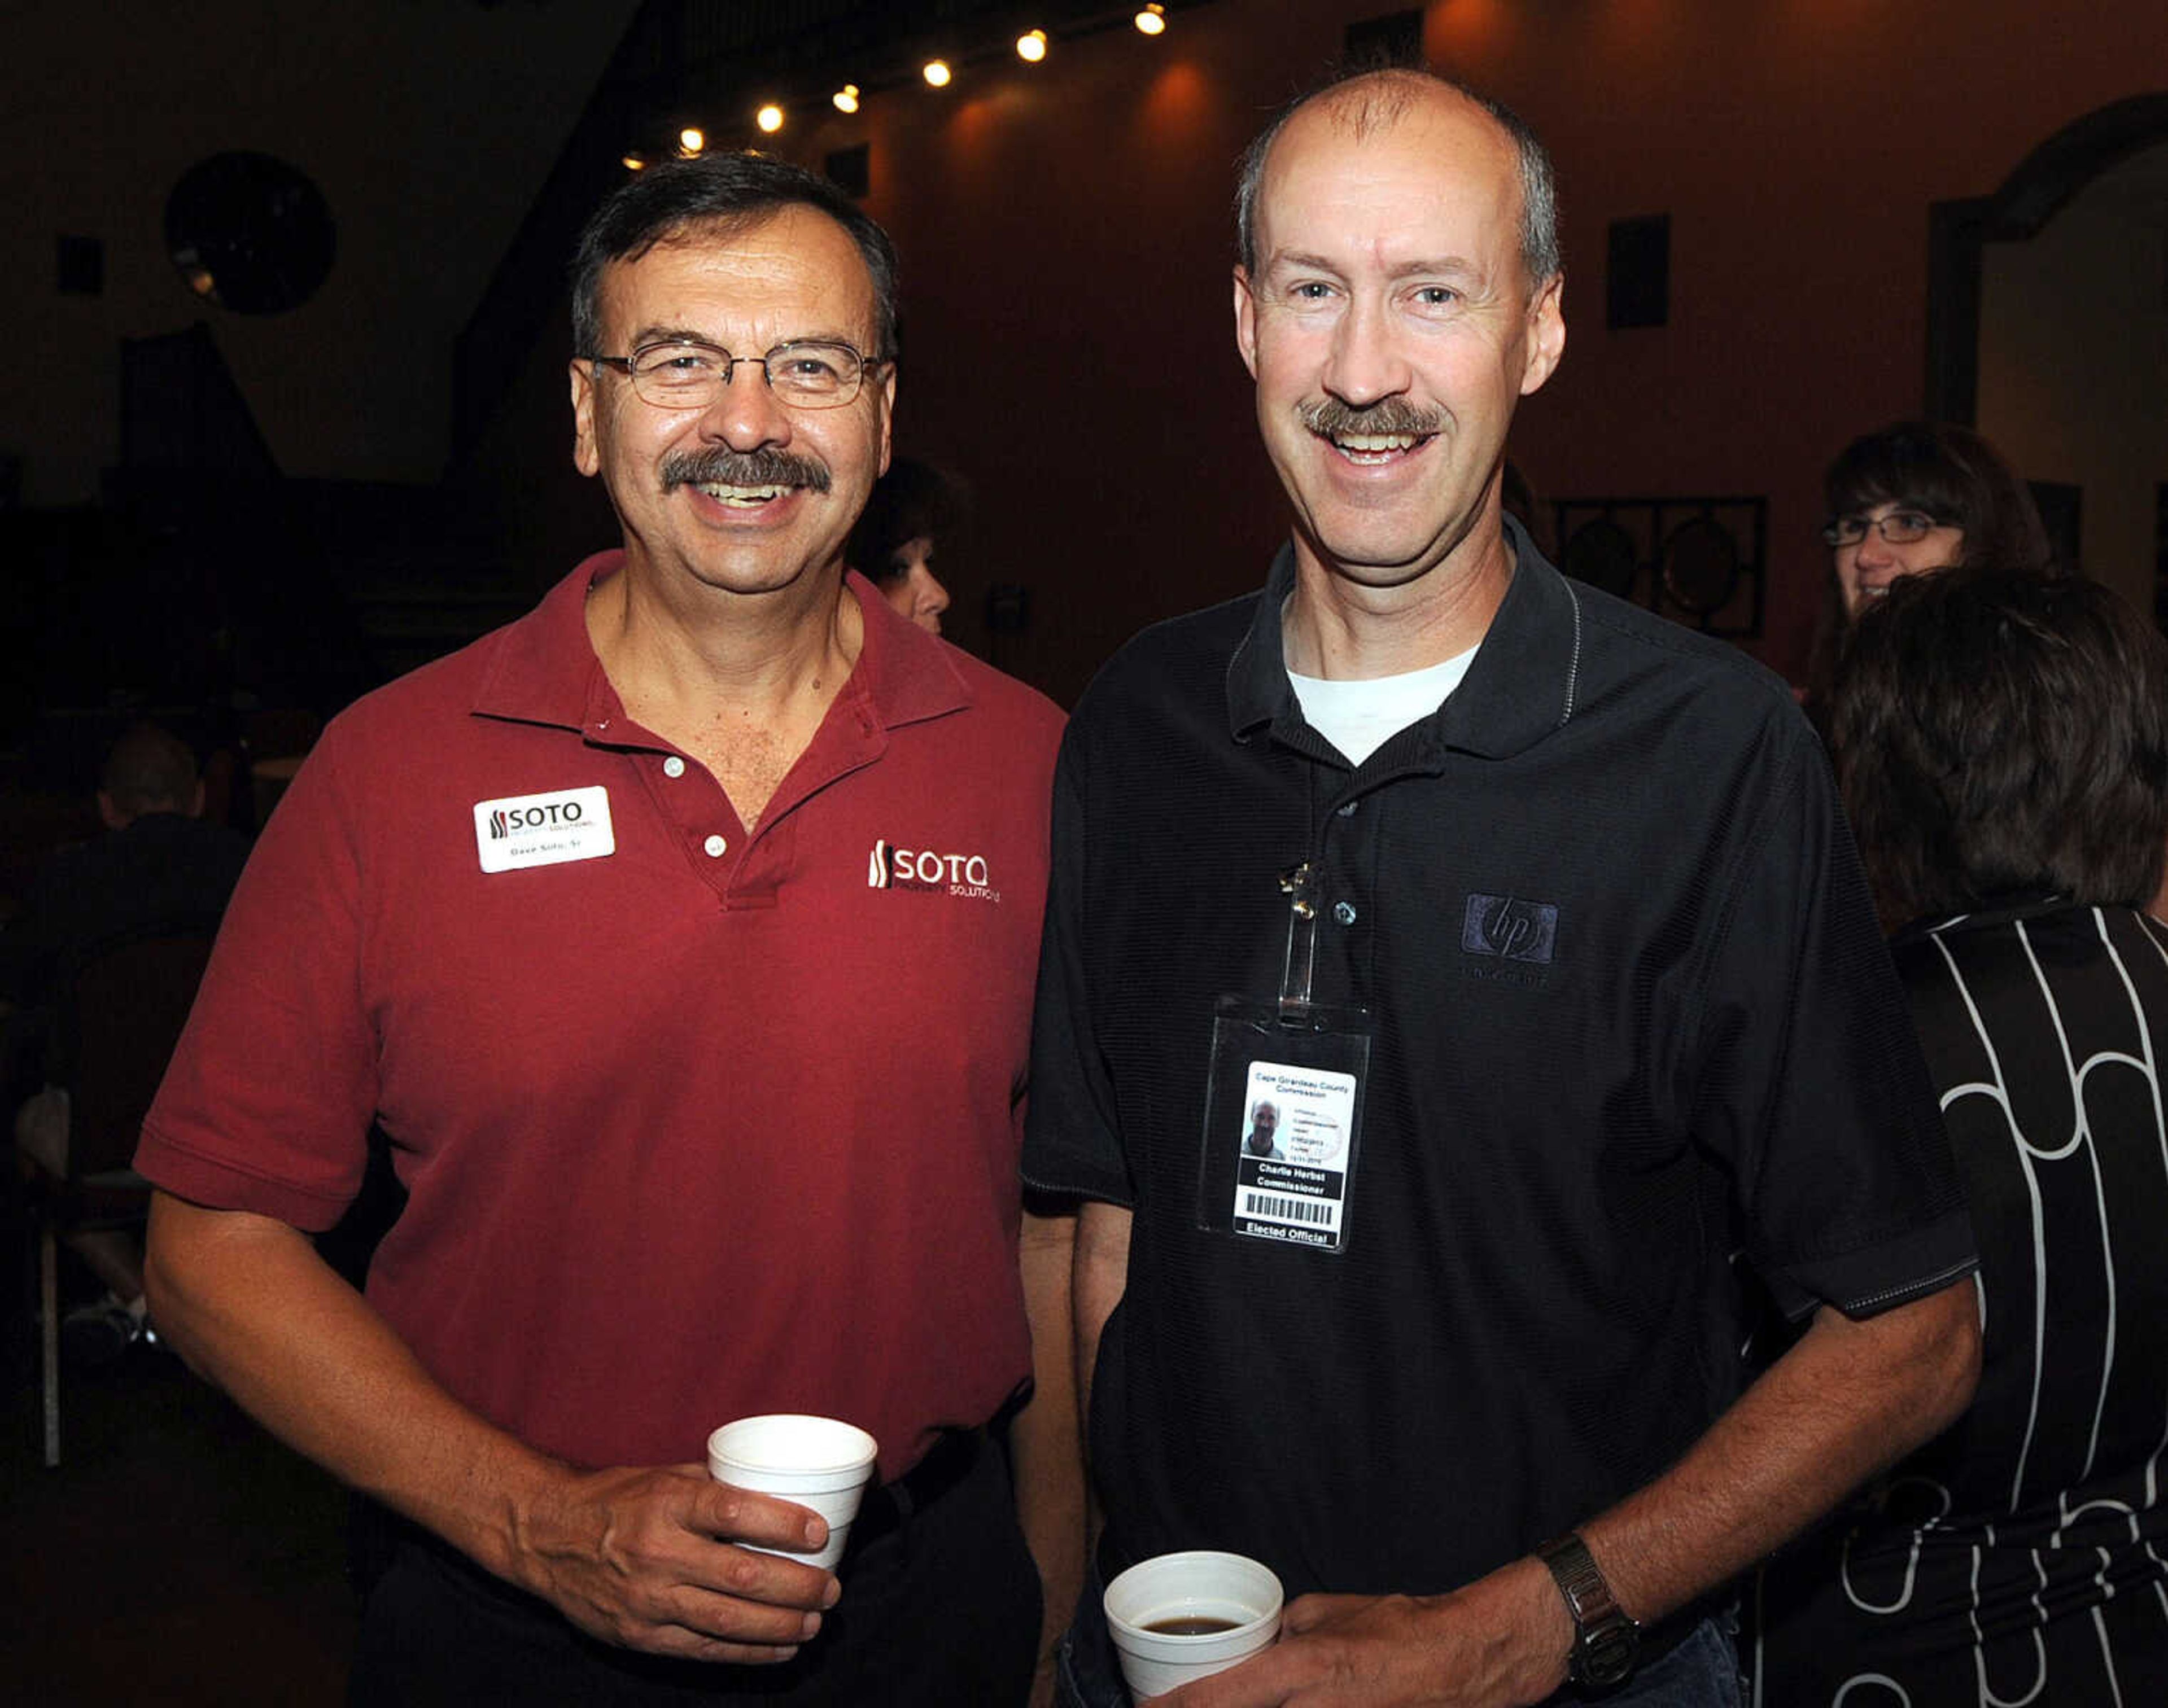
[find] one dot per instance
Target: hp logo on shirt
(1510, 928)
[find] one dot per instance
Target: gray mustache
(722, 466)
(1330, 418)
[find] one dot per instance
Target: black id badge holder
(1283, 1102)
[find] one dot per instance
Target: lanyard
(1299, 884)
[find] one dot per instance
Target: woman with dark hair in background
(1917, 497)
(914, 508)
(2002, 745)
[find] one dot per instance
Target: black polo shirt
(1698, 1046)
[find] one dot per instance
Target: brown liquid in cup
(1191, 1625)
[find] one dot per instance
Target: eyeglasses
(807, 373)
(1899, 527)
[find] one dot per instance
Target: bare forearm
(1103, 1275)
(1049, 1459)
(249, 1303)
(644, 1556)
(1850, 1399)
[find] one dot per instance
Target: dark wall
(428, 125)
(1067, 244)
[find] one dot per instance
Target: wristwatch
(1605, 1641)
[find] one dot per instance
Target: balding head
(1392, 324)
(149, 770)
(1366, 102)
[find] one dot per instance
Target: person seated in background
(2001, 743)
(161, 864)
(914, 509)
(1917, 496)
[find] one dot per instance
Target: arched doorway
(2048, 329)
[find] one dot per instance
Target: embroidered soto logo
(929, 872)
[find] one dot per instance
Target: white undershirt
(1359, 717)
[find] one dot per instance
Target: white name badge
(544, 829)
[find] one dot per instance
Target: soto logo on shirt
(503, 822)
(518, 831)
(890, 868)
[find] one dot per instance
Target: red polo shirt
(697, 1123)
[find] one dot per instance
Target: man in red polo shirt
(575, 916)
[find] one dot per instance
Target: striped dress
(2018, 1559)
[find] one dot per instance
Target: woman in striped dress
(2003, 743)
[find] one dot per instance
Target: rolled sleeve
(266, 1105)
(1821, 1103)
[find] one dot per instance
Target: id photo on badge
(1298, 1115)
(1262, 1139)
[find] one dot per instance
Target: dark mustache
(719, 465)
(1330, 418)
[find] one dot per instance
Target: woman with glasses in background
(1914, 497)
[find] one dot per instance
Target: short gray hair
(1393, 92)
(719, 194)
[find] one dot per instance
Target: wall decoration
(1700, 561)
(250, 233)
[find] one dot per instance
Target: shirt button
(673, 767)
(715, 845)
(1344, 911)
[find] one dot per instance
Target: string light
(1031, 46)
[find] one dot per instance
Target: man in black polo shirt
(1535, 917)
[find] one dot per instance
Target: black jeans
(942, 1609)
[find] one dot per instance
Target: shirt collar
(1520, 687)
(1994, 910)
(545, 670)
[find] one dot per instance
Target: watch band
(1605, 1641)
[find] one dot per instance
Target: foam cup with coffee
(1183, 1616)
